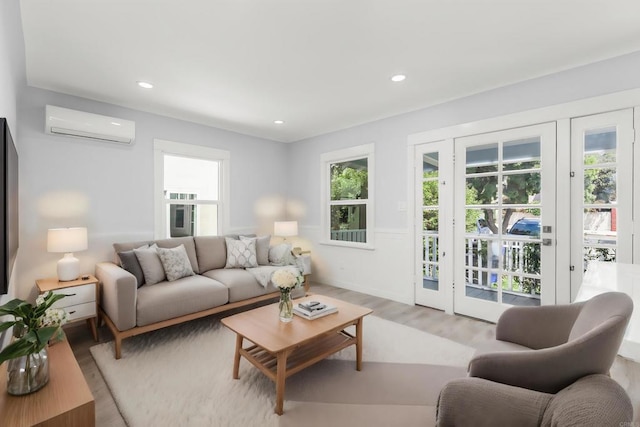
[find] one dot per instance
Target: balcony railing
(358, 236)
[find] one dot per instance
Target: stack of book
(314, 309)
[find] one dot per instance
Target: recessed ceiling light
(398, 78)
(116, 124)
(278, 122)
(145, 85)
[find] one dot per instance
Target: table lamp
(67, 241)
(286, 229)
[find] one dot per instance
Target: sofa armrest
(537, 327)
(119, 294)
(478, 402)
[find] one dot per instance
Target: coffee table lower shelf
(301, 357)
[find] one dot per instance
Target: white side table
(81, 302)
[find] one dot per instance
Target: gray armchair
(550, 347)
(592, 401)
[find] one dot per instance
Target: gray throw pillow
(151, 265)
(241, 254)
(130, 263)
(175, 262)
(262, 248)
(280, 254)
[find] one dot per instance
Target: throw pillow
(130, 263)
(241, 254)
(262, 248)
(280, 254)
(175, 262)
(151, 265)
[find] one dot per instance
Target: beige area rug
(181, 376)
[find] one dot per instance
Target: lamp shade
(285, 228)
(66, 240)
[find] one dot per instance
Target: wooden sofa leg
(118, 343)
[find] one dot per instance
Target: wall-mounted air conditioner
(63, 121)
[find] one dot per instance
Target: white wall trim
(573, 109)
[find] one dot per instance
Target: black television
(8, 205)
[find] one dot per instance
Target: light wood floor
(457, 328)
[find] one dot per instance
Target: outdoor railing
(359, 236)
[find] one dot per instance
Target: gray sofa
(129, 310)
(592, 401)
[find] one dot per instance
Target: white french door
(505, 197)
(601, 191)
(434, 219)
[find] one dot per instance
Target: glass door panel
(601, 188)
(504, 195)
(434, 200)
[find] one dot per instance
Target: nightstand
(81, 302)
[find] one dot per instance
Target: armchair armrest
(537, 327)
(479, 402)
(551, 369)
(119, 294)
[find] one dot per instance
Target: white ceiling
(319, 65)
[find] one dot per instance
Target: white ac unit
(63, 121)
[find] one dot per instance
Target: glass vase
(286, 306)
(26, 374)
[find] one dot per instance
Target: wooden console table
(65, 401)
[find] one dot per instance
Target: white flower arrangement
(285, 279)
(34, 325)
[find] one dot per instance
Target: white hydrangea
(284, 279)
(53, 317)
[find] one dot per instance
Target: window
(191, 190)
(347, 196)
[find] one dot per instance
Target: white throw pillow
(175, 262)
(241, 254)
(280, 254)
(151, 265)
(262, 248)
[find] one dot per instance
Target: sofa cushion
(189, 246)
(241, 254)
(211, 251)
(262, 248)
(175, 262)
(167, 300)
(242, 285)
(132, 265)
(151, 265)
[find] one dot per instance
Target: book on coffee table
(313, 311)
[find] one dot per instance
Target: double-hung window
(347, 196)
(191, 190)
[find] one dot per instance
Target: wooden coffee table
(281, 349)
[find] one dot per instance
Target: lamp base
(68, 268)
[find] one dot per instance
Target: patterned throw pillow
(262, 248)
(241, 254)
(175, 262)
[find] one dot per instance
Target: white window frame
(344, 155)
(223, 157)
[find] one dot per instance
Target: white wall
(109, 187)
(392, 258)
